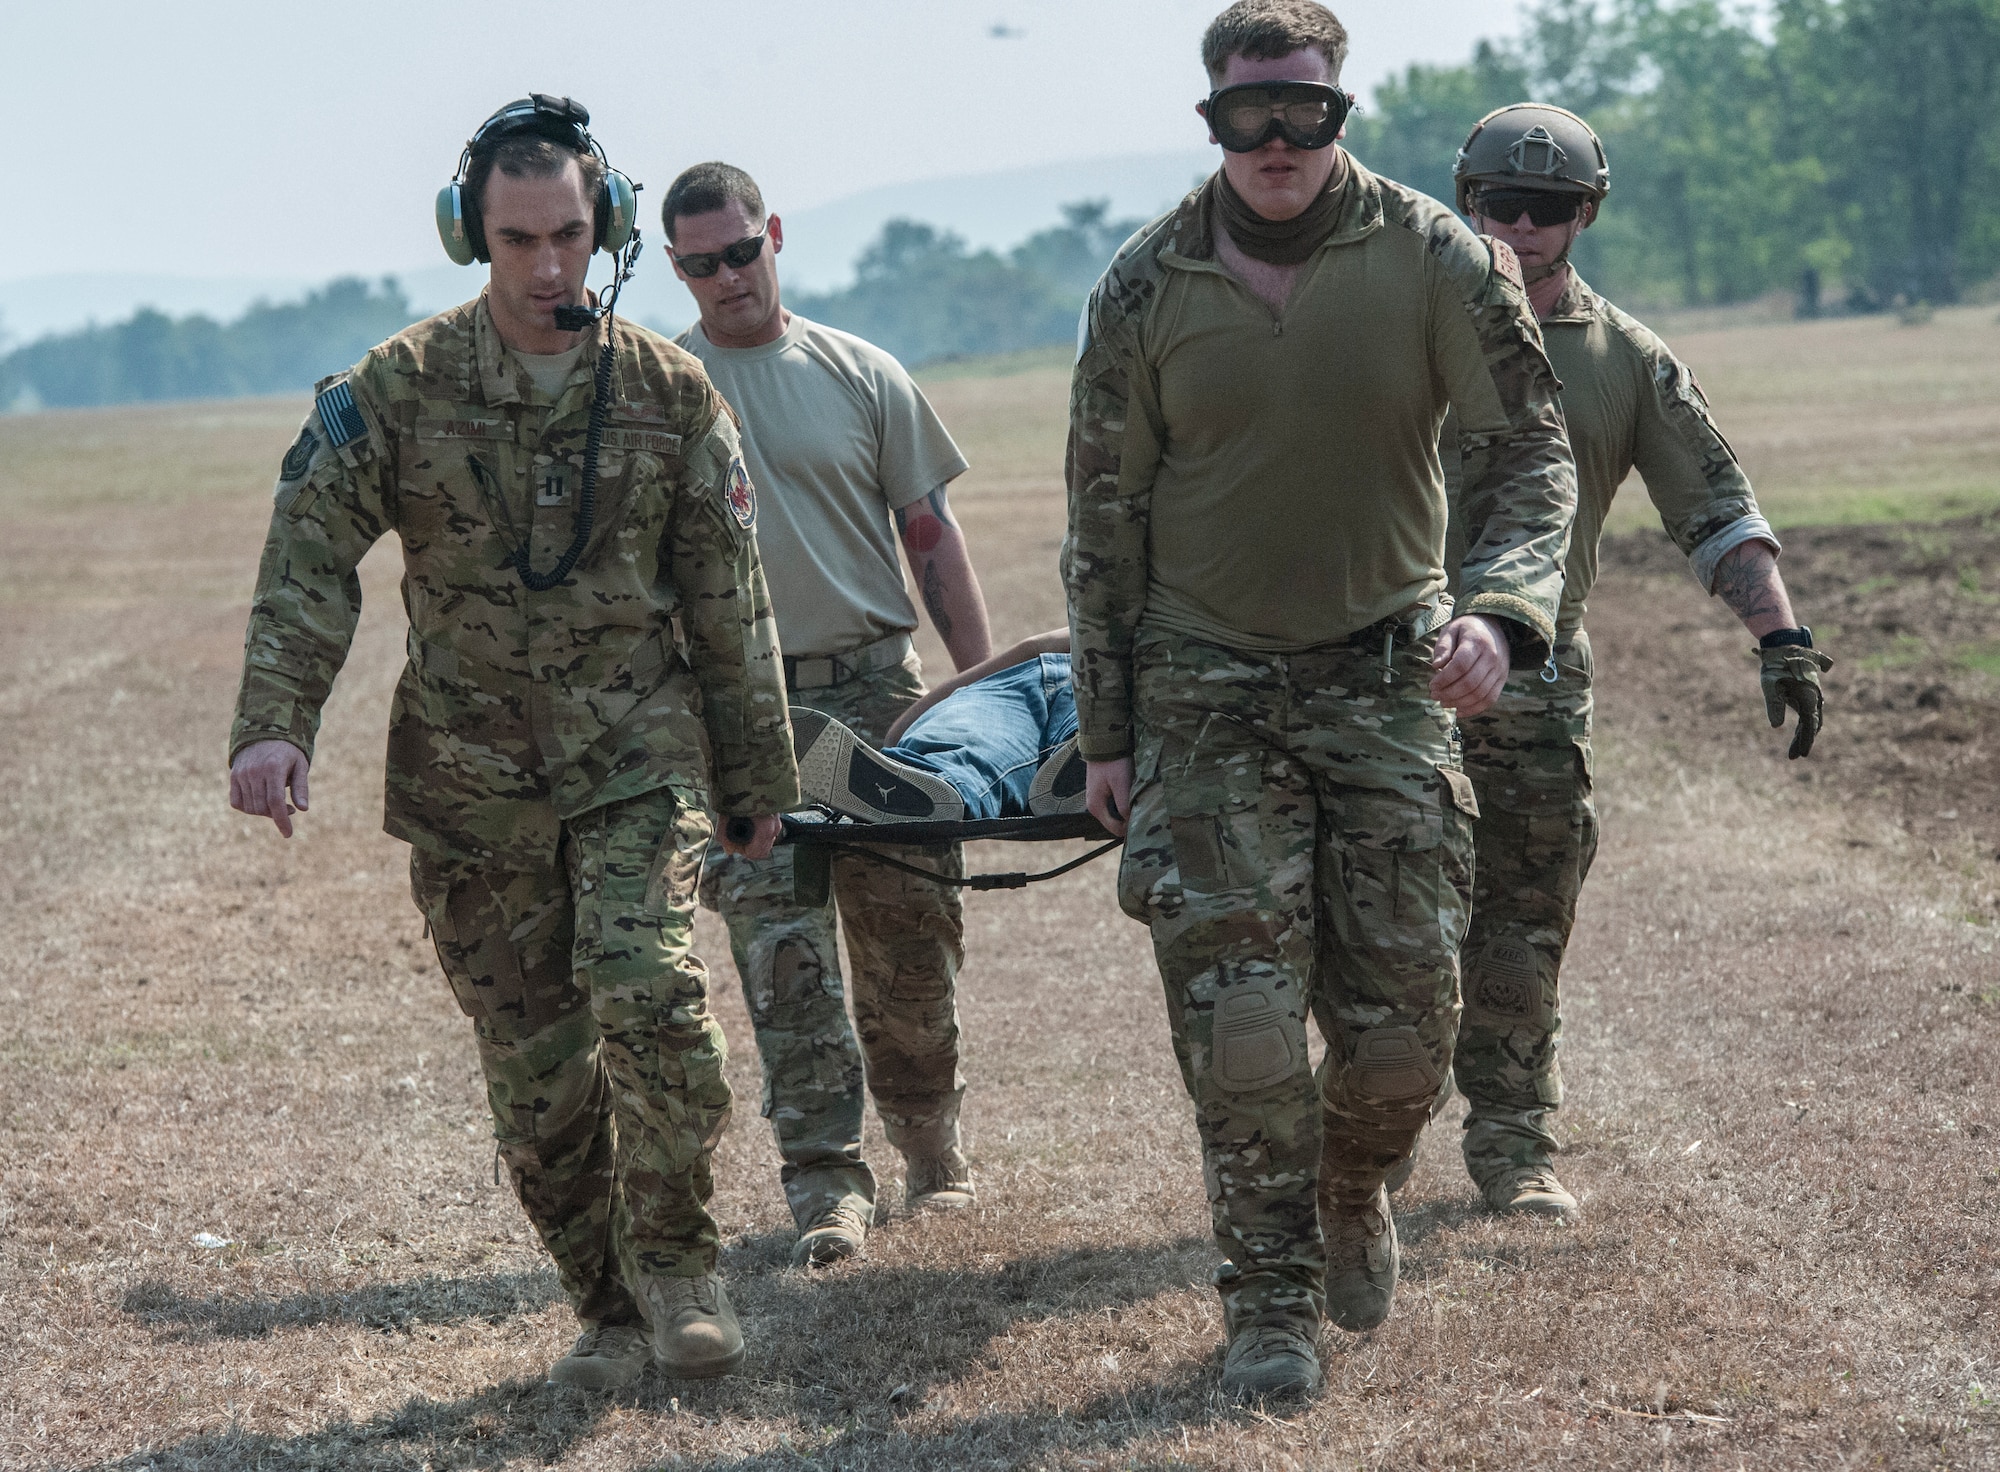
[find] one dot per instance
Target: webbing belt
(823, 671)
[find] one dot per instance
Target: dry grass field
(1784, 1006)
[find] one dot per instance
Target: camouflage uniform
(1300, 830)
(553, 756)
(1628, 403)
(905, 938)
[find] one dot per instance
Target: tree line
(1847, 151)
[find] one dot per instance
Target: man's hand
(1107, 793)
(1790, 677)
(1470, 664)
(259, 778)
(752, 838)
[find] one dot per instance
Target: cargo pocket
(676, 875)
(1407, 889)
(1212, 802)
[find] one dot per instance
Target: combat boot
(833, 1234)
(1362, 1258)
(606, 1357)
(695, 1333)
(1510, 1156)
(1273, 1355)
(937, 1182)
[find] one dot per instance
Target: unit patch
(1505, 262)
(339, 414)
(741, 495)
(298, 459)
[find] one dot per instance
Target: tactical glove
(1791, 678)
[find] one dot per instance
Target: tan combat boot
(940, 1182)
(606, 1357)
(1509, 1155)
(1362, 1258)
(695, 1333)
(1273, 1355)
(837, 1232)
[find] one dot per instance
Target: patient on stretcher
(998, 741)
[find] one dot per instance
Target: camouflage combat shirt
(1631, 404)
(1271, 481)
(654, 664)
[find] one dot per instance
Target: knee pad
(1509, 981)
(1389, 1076)
(1253, 1043)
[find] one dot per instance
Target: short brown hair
(530, 156)
(1264, 30)
(707, 187)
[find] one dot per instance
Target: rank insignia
(740, 494)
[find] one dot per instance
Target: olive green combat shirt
(1270, 481)
(1631, 404)
(654, 664)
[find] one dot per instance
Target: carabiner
(1550, 674)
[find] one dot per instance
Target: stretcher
(816, 835)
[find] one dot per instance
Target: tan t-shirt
(549, 371)
(836, 436)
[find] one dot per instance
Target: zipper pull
(1550, 674)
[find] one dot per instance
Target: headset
(560, 120)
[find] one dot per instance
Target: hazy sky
(268, 137)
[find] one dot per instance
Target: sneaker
(1275, 1356)
(839, 769)
(832, 1236)
(1058, 784)
(606, 1357)
(1362, 1259)
(1511, 1158)
(695, 1333)
(938, 1182)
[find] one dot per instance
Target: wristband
(1780, 638)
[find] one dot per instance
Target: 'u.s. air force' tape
(338, 413)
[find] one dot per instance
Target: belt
(1425, 618)
(822, 671)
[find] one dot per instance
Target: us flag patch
(337, 411)
(741, 495)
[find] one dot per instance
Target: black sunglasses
(1250, 114)
(736, 255)
(1542, 206)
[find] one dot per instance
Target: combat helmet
(1532, 145)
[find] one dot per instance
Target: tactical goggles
(1249, 115)
(736, 256)
(1541, 206)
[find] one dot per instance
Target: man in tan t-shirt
(848, 458)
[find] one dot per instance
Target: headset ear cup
(618, 212)
(453, 227)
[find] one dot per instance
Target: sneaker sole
(837, 768)
(1054, 789)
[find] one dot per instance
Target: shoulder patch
(298, 459)
(740, 494)
(339, 414)
(1505, 262)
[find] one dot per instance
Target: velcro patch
(340, 415)
(299, 459)
(740, 494)
(442, 428)
(1505, 262)
(626, 437)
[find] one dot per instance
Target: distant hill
(822, 243)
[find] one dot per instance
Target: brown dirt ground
(1784, 1003)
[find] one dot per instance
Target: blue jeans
(989, 739)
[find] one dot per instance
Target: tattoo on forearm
(934, 600)
(1749, 583)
